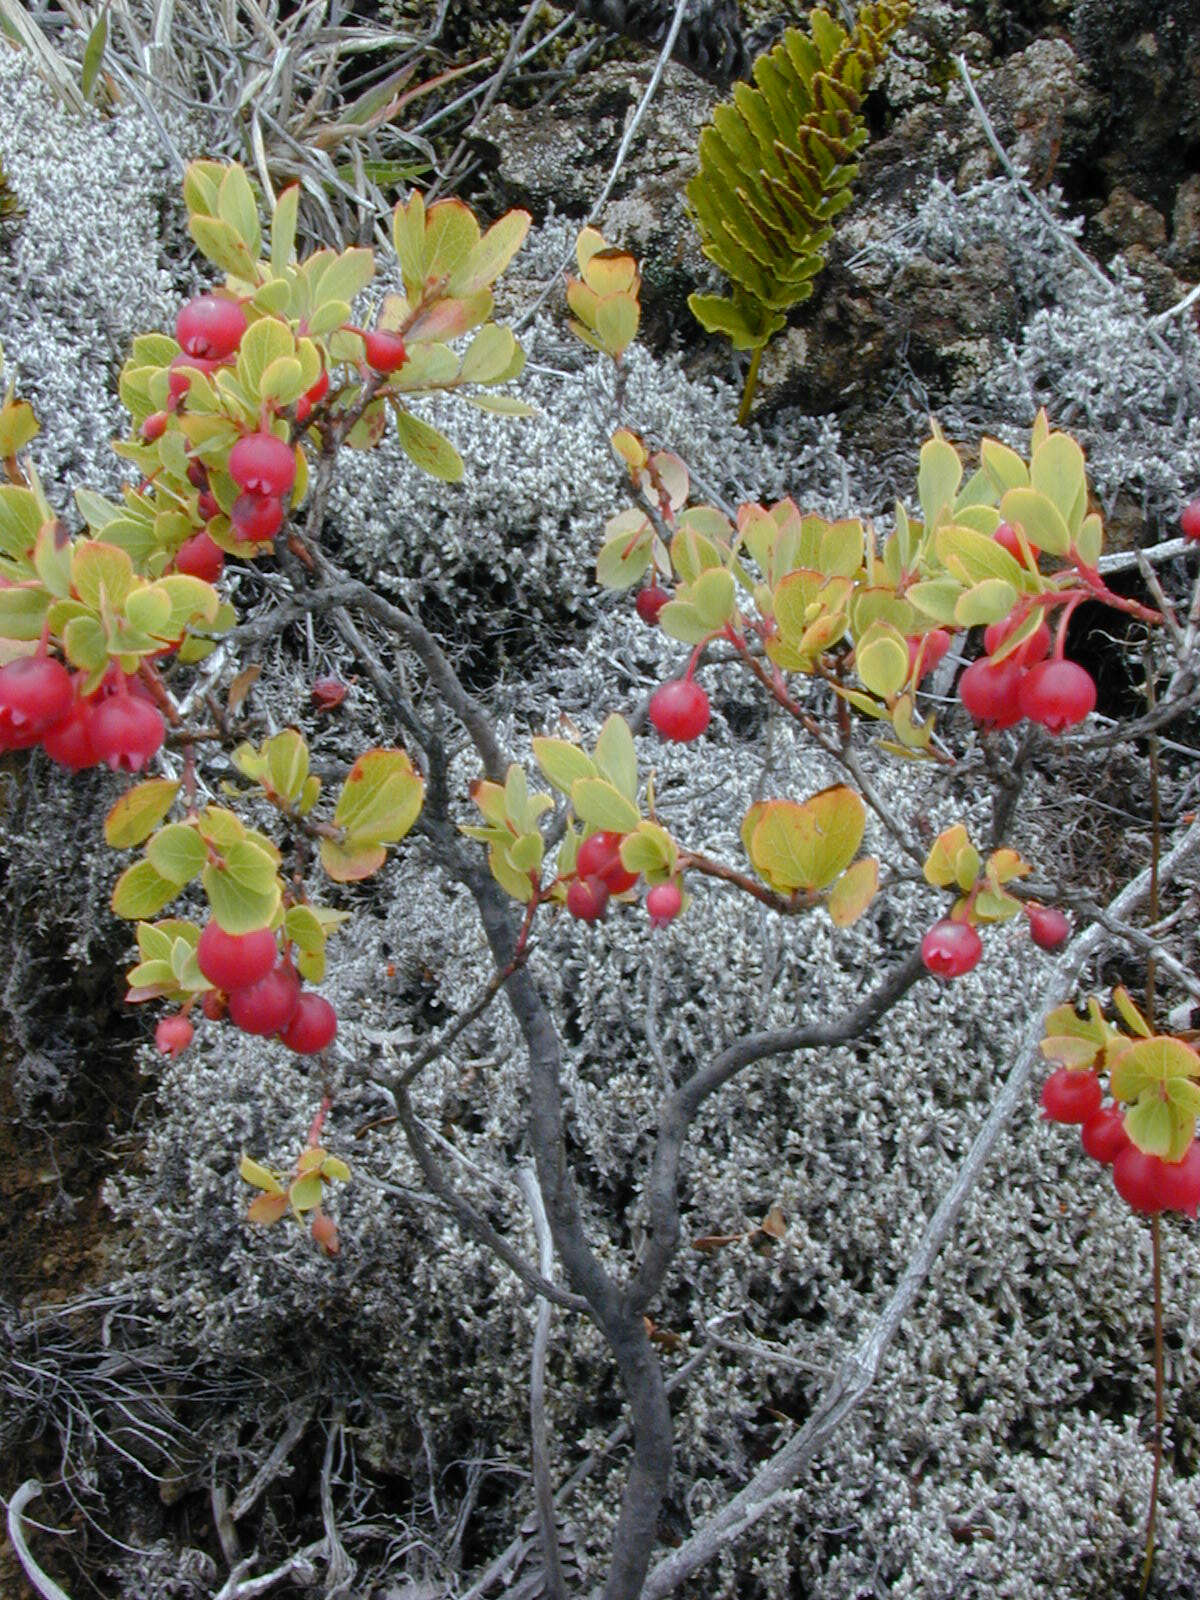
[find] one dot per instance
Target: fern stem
(749, 387)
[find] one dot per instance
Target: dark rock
(1126, 220)
(1184, 253)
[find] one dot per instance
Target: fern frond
(776, 165)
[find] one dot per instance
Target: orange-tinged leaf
(268, 1208)
(853, 892)
(806, 846)
(351, 866)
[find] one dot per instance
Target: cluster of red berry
(41, 703)
(1146, 1183)
(1055, 693)
(953, 946)
(600, 873)
(258, 990)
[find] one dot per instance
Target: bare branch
(543, 1483)
(45, 1586)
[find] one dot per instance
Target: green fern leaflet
(776, 165)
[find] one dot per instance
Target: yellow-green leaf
(141, 891)
(134, 817)
(853, 892)
(177, 853)
(429, 449)
(601, 806)
(806, 846)
(381, 798)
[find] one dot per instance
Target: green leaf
(177, 853)
(261, 1177)
(937, 598)
(649, 849)
(1003, 466)
(562, 762)
(429, 449)
(251, 868)
(881, 660)
(142, 892)
(23, 613)
(1057, 471)
(623, 559)
(1129, 1013)
(351, 865)
(679, 619)
(237, 207)
(93, 53)
(853, 892)
(601, 806)
(1039, 519)
(222, 245)
(493, 356)
(134, 817)
(488, 259)
(287, 764)
(938, 478)
(237, 908)
(1151, 1125)
(304, 928)
(616, 757)
(990, 601)
(504, 405)
(305, 1192)
(380, 800)
(807, 846)
(101, 569)
(713, 596)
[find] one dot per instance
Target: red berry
(1058, 694)
(234, 961)
(600, 857)
(1035, 648)
(680, 710)
(951, 948)
(1181, 1182)
(1006, 537)
(312, 397)
(328, 693)
(663, 904)
(260, 463)
(213, 1004)
(1070, 1096)
(210, 327)
(313, 1025)
(268, 1005)
(1140, 1180)
(36, 692)
(1103, 1134)
(173, 1035)
(127, 731)
(155, 426)
(930, 648)
(199, 557)
(197, 474)
(991, 692)
(1048, 927)
(208, 505)
(650, 602)
(257, 516)
(385, 351)
(69, 742)
(587, 899)
(1189, 520)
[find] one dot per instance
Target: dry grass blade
(57, 70)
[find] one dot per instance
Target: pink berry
(1048, 927)
(1058, 694)
(1181, 1182)
(929, 648)
(234, 961)
(260, 463)
(328, 693)
(127, 731)
(199, 557)
(1189, 520)
(313, 1025)
(208, 505)
(1103, 1135)
(1140, 1180)
(680, 710)
(36, 692)
(600, 857)
(155, 426)
(173, 1035)
(587, 899)
(385, 351)
(69, 742)
(650, 602)
(210, 327)
(257, 516)
(951, 948)
(1070, 1097)
(1006, 537)
(1036, 648)
(268, 1005)
(663, 904)
(991, 692)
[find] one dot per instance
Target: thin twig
(543, 1482)
(45, 1586)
